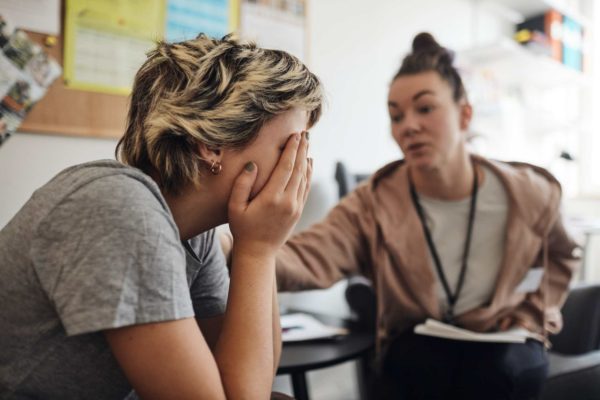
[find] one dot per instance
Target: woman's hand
(261, 225)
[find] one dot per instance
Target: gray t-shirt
(95, 248)
(448, 220)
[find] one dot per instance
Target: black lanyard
(451, 297)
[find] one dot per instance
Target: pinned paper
(26, 72)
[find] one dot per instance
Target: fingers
(300, 165)
(505, 324)
(242, 187)
(285, 166)
(305, 184)
(309, 173)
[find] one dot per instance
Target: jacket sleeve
(329, 250)
(560, 255)
(563, 260)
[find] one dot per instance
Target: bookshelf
(513, 64)
(528, 8)
(529, 106)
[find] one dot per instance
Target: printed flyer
(26, 72)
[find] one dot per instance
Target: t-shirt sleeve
(210, 286)
(108, 255)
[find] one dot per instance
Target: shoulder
(102, 183)
(382, 176)
(532, 190)
(377, 195)
(532, 179)
(104, 193)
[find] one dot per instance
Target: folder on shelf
(572, 38)
(553, 29)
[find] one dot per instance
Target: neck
(453, 181)
(195, 211)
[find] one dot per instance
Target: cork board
(71, 112)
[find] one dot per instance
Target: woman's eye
(425, 109)
(396, 118)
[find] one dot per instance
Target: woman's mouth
(415, 147)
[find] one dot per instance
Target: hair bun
(425, 42)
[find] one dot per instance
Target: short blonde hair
(205, 90)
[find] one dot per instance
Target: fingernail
(297, 137)
(249, 166)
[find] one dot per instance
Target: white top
(448, 221)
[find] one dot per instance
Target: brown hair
(428, 55)
(211, 91)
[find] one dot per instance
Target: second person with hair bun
(448, 235)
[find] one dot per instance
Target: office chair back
(581, 327)
(345, 180)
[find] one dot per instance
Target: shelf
(529, 8)
(509, 63)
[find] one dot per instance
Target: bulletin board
(78, 112)
(72, 112)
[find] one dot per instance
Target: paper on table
(435, 328)
(299, 326)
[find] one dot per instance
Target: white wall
(27, 161)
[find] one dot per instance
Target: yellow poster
(106, 41)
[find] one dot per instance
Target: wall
(27, 161)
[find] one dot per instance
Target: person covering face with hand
(113, 276)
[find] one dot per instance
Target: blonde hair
(205, 90)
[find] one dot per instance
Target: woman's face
(428, 125)
(265, 149)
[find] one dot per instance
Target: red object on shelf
(554, 29)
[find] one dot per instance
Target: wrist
(259, 255)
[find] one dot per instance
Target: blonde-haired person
(113, 278)
(448, 235)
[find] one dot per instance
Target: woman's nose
(410, 125)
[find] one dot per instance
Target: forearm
(328, 251)
(244, 351)
(276, 331)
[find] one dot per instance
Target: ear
(466, 114)
(209, 153)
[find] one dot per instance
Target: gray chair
(574, 370)
(575, 355)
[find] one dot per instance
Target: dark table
(299, 357)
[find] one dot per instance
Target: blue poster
(187, 18)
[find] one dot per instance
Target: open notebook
(435, 328)
(299, 326)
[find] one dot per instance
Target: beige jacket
(375, 231)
